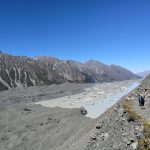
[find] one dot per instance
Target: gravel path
(145, 113)
(143, 89)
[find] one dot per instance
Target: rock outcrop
(114, 131)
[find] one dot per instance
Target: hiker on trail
(142, 101)
(139, 98)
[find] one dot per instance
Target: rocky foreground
(24, 126)
(126, 126)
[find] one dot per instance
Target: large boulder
(83, 111)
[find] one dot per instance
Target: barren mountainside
(18, 71)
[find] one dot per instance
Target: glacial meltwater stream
(100, 106)
(96, 100)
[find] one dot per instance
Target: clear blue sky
(111, 31)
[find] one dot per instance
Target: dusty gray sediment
(28, 127)
(39, 128)
(96, 99)
(39, 93)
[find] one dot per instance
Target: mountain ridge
(16, 71)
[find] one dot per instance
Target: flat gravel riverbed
(96, 99)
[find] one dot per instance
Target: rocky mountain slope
(16, 71)
(24, 125)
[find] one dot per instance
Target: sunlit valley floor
(59, 123)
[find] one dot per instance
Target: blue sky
(111, 31)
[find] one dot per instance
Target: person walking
(142, 102)
(139, 98)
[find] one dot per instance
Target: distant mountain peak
(93, 61)
(144, 73)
